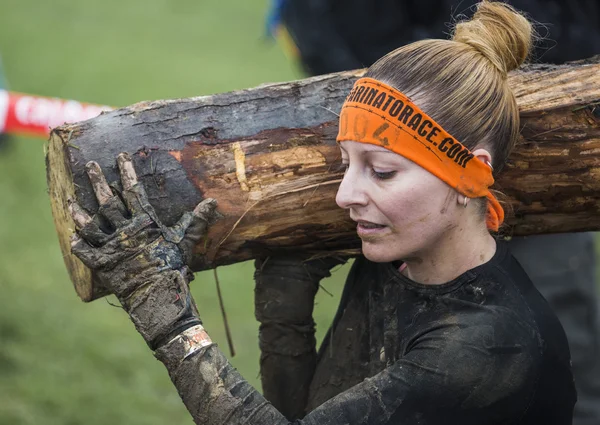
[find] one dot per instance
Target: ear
(484, 156)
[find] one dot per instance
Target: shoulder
(482, 357)
(485, 329)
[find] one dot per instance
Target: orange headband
(378, 114)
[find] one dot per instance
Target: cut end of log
(61, 188)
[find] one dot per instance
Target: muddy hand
(134, 255)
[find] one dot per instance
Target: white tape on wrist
(193, 339)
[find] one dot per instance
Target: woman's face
(401, 209)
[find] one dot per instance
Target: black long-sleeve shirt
(484, 348)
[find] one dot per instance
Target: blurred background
(62, 361)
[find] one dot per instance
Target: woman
(437, 316)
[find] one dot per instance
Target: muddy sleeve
(452, 373)
(284, 300)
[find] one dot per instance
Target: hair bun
(498, 32)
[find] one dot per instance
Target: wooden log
(268, 155)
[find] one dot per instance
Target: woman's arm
(284, 300)
(454, 373)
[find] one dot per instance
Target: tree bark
(268, 155)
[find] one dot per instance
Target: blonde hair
(462, 83)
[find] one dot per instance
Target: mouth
(368, 228)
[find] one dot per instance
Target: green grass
(62, 361)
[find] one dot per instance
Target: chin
(379, 252)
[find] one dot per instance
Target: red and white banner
(36, 115)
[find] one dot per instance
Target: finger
(133, 242)
(137, 224)
(99, 184)
(193, 226)
(93, 234)
(78, 214)
(128, 174)
(179, 229)
(114, 211)
(133, 193)
(86, 253)
(207, 211)
(136, 200)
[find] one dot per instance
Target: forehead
(353, 148)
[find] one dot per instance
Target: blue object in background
(274, 17)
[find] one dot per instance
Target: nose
(351, 192)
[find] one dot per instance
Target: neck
(458, 250)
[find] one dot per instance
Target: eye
(382, 175)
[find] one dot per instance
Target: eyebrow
(365, 152)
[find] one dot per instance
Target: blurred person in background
(334, 35)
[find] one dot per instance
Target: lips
(369, 224)
(368, 229)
